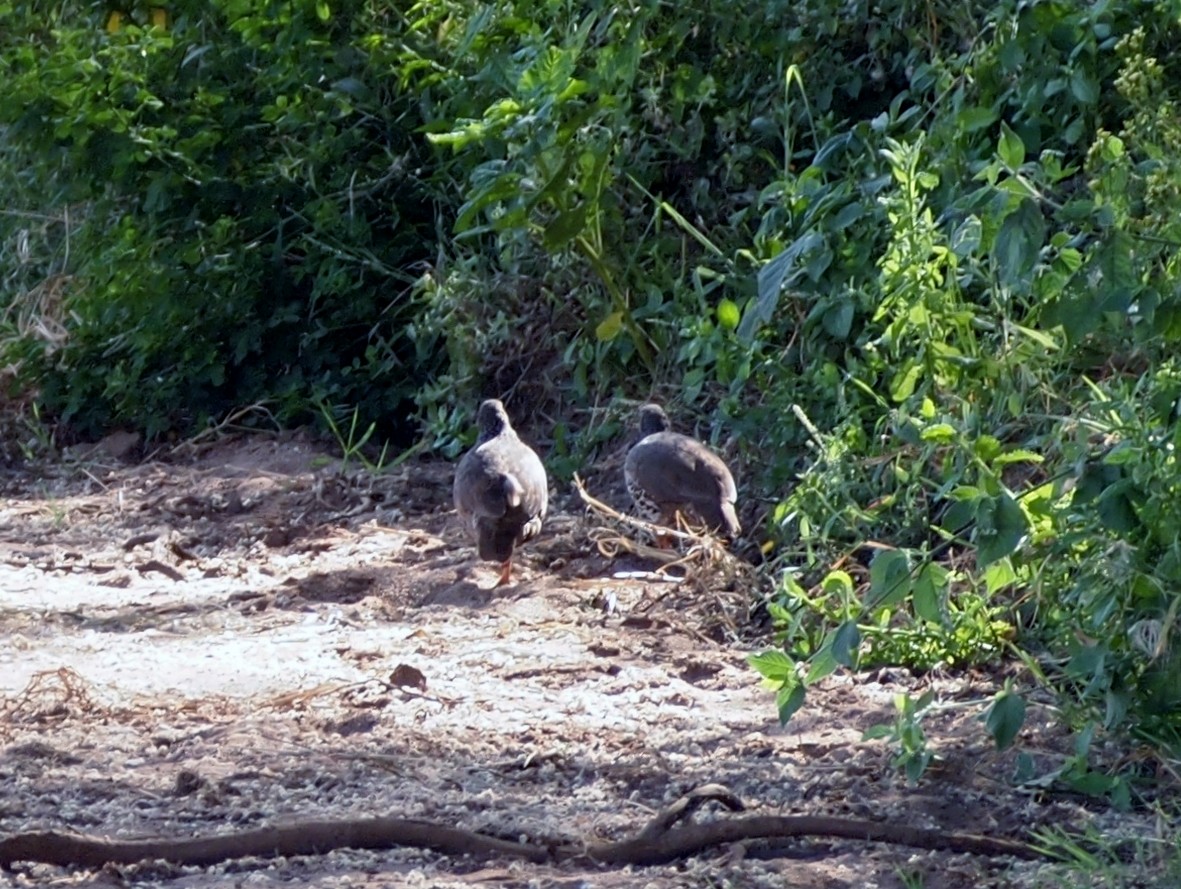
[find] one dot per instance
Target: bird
(500, 490)
(666, 472)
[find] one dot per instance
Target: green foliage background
(920, 258)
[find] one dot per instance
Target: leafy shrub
(256, 204)
(920, 259)
(1025, 269)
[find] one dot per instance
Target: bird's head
(492, 419)
(653, 419)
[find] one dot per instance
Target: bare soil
(248, 636)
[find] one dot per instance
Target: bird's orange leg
(667, 541)
(505, 571)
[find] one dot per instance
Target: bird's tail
(495, 541)
(730, 520)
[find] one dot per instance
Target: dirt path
(251, 638)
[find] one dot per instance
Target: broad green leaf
(818, 262)
(1090, 783)
(323, 13)
(838, 583)
(902, 384)
(999, 575)
(930, 587)
(1115, 708)
(845, 642)
(564, 228)
(1123, 454)
(1083, 88)
(1000, 526)
(788, 701)
(975, 118)
(1005, 718)
(1111, 148)
(781, 271)
(965, 493)
(965, 240)
(986, 447)
(1025, 770)
(1019, 242)
(823, 664)
(838, 319)
(833, 148)
(609, 327)
(846, 216)
(889, 578)
(1010, 148)
(773, 665)
(941, 433)
(1116, 509)
(1108, 284)
(1088, 663)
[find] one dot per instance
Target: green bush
(256, 203)
(920, 259)
(1019, 199)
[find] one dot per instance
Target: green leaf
(837, 582)
(902, 384)
(975, 118)
(1083, 87)
(846, 216)
(822, 664)
(609, 327)
(999, 575)
(564, 228)
(930, 587)
(845, 642)
(986, 447)
(1019, 242)
(323, 13)
(1090, 782)
(1018, 455)
(1117, 512)
(1010, 149)
(941, 433)
(788, 701)
(965, 240)
(838, 319)
(1088, 663)
(1107, 283)
(1115, 708)
(1000, 526)
(889, 578)
(728, 314)
(773, 665)
(780, 272)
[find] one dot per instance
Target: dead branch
(664, 839)
(699, 547)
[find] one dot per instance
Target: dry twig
(664, 839)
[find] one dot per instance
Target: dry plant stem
(611, 544)
(659, 842)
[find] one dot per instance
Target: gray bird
(666, 472)
(500, 489)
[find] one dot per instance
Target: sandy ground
(249, 636)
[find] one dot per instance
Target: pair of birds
(501, 490)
